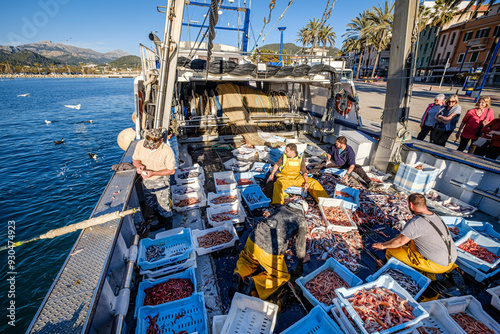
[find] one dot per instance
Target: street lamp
(281, 44)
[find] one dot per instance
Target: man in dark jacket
(265, 247)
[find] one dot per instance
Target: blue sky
(108, 25)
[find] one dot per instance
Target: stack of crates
(413, 179)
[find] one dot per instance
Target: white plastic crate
(474, 272)
(227, 177)
(217, 323)
(171, 268)
(481, 241)
(182, 175)
(212, 197)
(238, 218)
(472, 307)
(409, 178)
(393, 263)
(439, 318)
(262, 151)
(293, 190)
(495, 297)
(339, 269)
(200, 233)
(316, 322)
(177, 246)
(466, 209)
(255, 198)
(185, 188)
(244, 153)
(389, 283)
(335, 171)
(200, 195)
(245, 175)
(237, 166)
(250, 315)
(375, 173)
(338, 203)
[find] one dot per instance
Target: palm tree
(326, 35)
(382, 18)
(309, 34)
(359, 29)
(424, 17)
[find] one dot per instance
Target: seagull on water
(93, 156)
(59, 141)
(77, 107)
(48, 122)
(24, 95)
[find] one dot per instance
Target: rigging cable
(282, 14)
(272, 3)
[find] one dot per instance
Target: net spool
(125, 138)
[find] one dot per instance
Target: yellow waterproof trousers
(283, 182)
(409, 255)
(275, 272)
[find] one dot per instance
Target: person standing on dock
(425, 243)
(155, 162)
(293, 172)
(447, 120)
(429, 117)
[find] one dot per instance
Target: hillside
(126, 62)
(292, 48)
(26, 58)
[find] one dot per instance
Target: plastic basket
(275, 154)
(393, 263)
(334, 202)
(141, 294)
(217, 323)
(457, 223)
(177, 248)
(188, 314)
(200, 195)
(255, 198)
(239, 218)
(335, 171)
(484, 228)
(439, 318)
(339, 269)
(229, 177)
(495, 297)
(214, 196)
(250, 315)
(387, 282)
(185, 188)
(315, 151)
(182, 171)
(484, 242)
(376, 174)
(260, 170)
(199, 233)
(469, 209)
(244, 153)
(316, 322)
(295, 191)
(245, 175)
(350, 203)
(171, 268)
(237, 166)
(471, 306)
(415, 180)
(262, 151)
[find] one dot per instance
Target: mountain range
(56, 53)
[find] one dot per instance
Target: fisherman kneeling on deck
(425, 243)
(265, 247)
(293, 172)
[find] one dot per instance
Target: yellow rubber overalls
(289, 175)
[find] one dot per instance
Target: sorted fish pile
(344, 194)
(328, 181)
(188, 175)
(336, 216)
(245, 182)
(433, 196)
(406, 282)
(392, 210)
(221, 182)
(469, 324)
(215, 238)
(380, 308)
(480, 252)
(154, 253)
(224, 199)
(428, 330)
(187, 202)
(323, 286)
(183, 190)
(223, 216)
(173, 289)
(461, 209)
(254, 198)
(153, 327)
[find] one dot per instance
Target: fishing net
(198, 64)
(183, 61)
(284, 72)
(221, 66)
(243, 70)
(301, 70)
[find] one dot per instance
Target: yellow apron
(289, 175)
(275, 272)
(409, 254)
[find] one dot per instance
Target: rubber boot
(248, 286)
(236, 285)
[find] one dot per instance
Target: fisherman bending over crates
(425, 243)
(265, 247)
(293, 172)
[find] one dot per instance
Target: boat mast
(399, 84)
(169, 53)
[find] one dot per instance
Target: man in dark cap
(155, 162)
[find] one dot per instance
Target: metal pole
(444, 72)
(281, 45)
(485, 77)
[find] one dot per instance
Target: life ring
(140, 103)
(343, 104)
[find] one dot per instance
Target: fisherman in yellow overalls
(293, 172)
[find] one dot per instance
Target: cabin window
(473, 56)
(461, 57)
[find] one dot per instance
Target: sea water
(45, 185)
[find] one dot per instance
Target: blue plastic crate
(188, 314)
(456, 222)
(245, 175)
(316, 322)
(178, 247)
(335, 171)
(255, 192)
(141, 294)
(393, 263)
(348, 202)
(339, 269)
(265, 169)
(276, 153)
(384, 281)
(416, 180)
(484, 242)
(485, 229)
